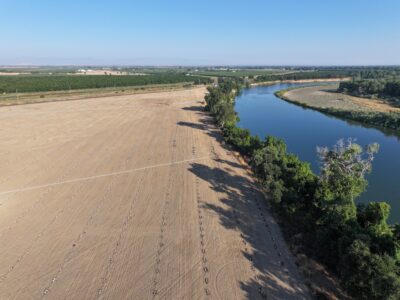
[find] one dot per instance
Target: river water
(303, 130)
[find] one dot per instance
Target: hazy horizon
(209, 33)
(232, 66)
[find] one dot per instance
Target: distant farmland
(21, 84)
(241, 72)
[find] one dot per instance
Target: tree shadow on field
(196, 108)
(242, 208)
(230, 163)
(191, 125)
(205, 125)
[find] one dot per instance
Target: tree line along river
(303, 130)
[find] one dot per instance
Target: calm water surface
(303, 130)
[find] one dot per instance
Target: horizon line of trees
(355, 241)
(317, 74)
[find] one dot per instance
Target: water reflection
(303, 129)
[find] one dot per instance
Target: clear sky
(218, 32)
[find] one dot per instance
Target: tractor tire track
(164, 222)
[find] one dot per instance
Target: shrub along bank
(354, 241)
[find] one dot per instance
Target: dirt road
(132, 197)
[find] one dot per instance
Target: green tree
(373, 216)
(267, 164)
(369, 276)
(342, 179)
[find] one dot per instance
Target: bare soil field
(327, 97)
(132, 197)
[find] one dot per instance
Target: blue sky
(219, 32)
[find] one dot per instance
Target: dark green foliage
(388, 90)
(220, 102)
(241, 139)
(236, 73)
(362, 87)
(355, 242)
(318, 74)
(369, 276)
(267, 163)
(290, 181)
(21, 84)
(374, 217)
(392, 88)
(371, 87)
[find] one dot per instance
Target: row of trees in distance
(44, 83)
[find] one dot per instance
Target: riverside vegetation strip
(356, 242)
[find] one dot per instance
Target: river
(303, 130)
